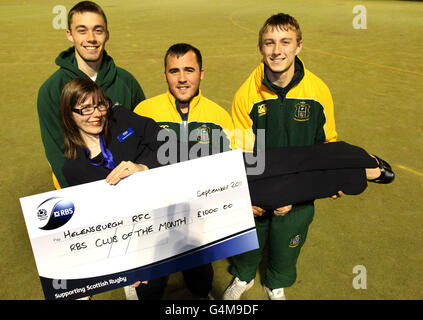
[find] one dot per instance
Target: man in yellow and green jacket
(284, 103)
(186, 112)
(203, 119)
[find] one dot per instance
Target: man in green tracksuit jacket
(87, 30)
(289, 106)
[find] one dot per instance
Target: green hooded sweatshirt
(118, 85)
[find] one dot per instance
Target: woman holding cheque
(111, 142)
(104, 142)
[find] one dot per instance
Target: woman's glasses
(87, 110)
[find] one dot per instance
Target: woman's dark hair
(76, 92)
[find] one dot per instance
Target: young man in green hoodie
(87, 30)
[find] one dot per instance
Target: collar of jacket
(105, 77)
(262, 80)
(192, 104)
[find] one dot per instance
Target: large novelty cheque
(97, 237)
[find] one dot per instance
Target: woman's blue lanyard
(109, 163)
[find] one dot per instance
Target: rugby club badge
(302, 112)
(203, 134)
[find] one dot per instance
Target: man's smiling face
(279, 47)
(183, 76)
(89, 35)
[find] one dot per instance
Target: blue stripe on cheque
(223, 248)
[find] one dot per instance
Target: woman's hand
(123, 170)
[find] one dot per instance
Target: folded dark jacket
(296, 175)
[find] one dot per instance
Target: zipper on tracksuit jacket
(184, 117)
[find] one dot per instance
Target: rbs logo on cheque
(54, 213)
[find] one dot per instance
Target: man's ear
(202, 74)
(299, 47)
(69, 35)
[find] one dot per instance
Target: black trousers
(154, 290)
(300, 174)
(198, 281)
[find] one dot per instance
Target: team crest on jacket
(261, 109)
(302, 112)
(295, 241)
(203, 134)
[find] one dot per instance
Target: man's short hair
(282, 21)
(86, 6)
(181, 49)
